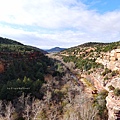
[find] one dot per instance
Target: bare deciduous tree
(9, 111)
(54, 113)
(1, 112)
(37, 106)
(70, 65)
(27, 108)
(86, 109)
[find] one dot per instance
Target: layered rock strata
(110, 60)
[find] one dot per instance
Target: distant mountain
(55, 49)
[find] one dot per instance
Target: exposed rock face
(113, 106)
(111, 59)
(1, 67)
(115, 82)
(113, 102)
(97, 80)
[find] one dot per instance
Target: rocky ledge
(110, 60)
(113, 106)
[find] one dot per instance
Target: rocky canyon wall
(111, 60)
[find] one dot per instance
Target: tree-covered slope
(22, 69)
(85, 55)
(9, 41)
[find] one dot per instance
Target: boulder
(118, 56)
(117, 50)
(112, 58)
(112, 54)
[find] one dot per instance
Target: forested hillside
(9, 41)
(85, 55)
(22, 69)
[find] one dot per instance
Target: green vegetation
(22, 81)
(9, 41)
(117, 91)
(111, 87)
(107, 47)
(111, 46)
(16, 48)
(106, 78)
(13, 89)
(24, 71)
(114, 73)
(100, 102)
(86, 64)
(106, 71)
(84, 57)
(82, 64)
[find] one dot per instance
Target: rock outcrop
(110, 60)
(113, 106)
(1, 67)
(113, 102)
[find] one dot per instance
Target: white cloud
(70, 21)
(45, 13)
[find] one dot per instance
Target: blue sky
(64, 23)
(103, 6)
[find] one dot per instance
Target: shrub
(111, 87)
(114, 73)
(106, 71)
(117, 92)
(106, 78)
(101, 104)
